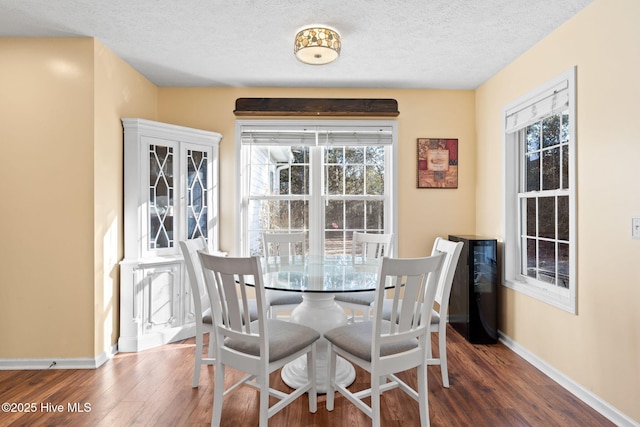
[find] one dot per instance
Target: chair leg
(196, 368)
(423, 395)
(212, 345)
(311, 375)
(218, 392)
(263, 382)
(331, 364)
(375, 401)
(442, 350)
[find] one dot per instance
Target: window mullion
(537, 238)
(317, 191)
(555, 240)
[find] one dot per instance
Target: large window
(540, 186)
(325, 178)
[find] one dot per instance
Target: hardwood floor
(490, 386)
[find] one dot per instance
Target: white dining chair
(438, 322)
(365, 248)
(202, 310)
(201, 307)
(439, 318)
(257, 348)
(286, 248)
(384, 348)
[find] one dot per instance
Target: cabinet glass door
(161, 196)
(197, 205)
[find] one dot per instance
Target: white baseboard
(604, 408)
(152, 339)
(57, 363)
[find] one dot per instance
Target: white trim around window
(556, 97)
(316, 134)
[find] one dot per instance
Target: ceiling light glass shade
(317, 45)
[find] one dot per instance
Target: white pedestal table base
(320, 312)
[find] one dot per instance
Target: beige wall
(46, 182)
(61, 184)
(423, 213)
(120, 91)
(599, 348)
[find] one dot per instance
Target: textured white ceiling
(439, 44)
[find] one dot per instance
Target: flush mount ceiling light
(317, 45)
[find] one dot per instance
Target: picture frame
(437, 163)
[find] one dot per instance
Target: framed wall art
(437, 163)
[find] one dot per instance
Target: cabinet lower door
(155, 310)
(158, 297)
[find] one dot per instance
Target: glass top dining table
(320, 274)
(319, 279)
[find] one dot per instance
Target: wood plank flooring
(490, 386)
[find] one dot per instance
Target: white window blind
(316, 135)
(551, 100)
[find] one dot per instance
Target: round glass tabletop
(322, 274)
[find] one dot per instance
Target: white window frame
(316, 199)
(535, 105)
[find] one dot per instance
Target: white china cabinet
(170, 194)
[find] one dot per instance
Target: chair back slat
(372, 250)
(244, 300)
(396, 303)
(232, 303)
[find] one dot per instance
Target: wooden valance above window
(316, 107)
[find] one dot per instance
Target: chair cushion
(207, 317)
(356, 339)
(386, 312)
(285, 338)
(283, 297)
(253, 309)
(360, 298)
